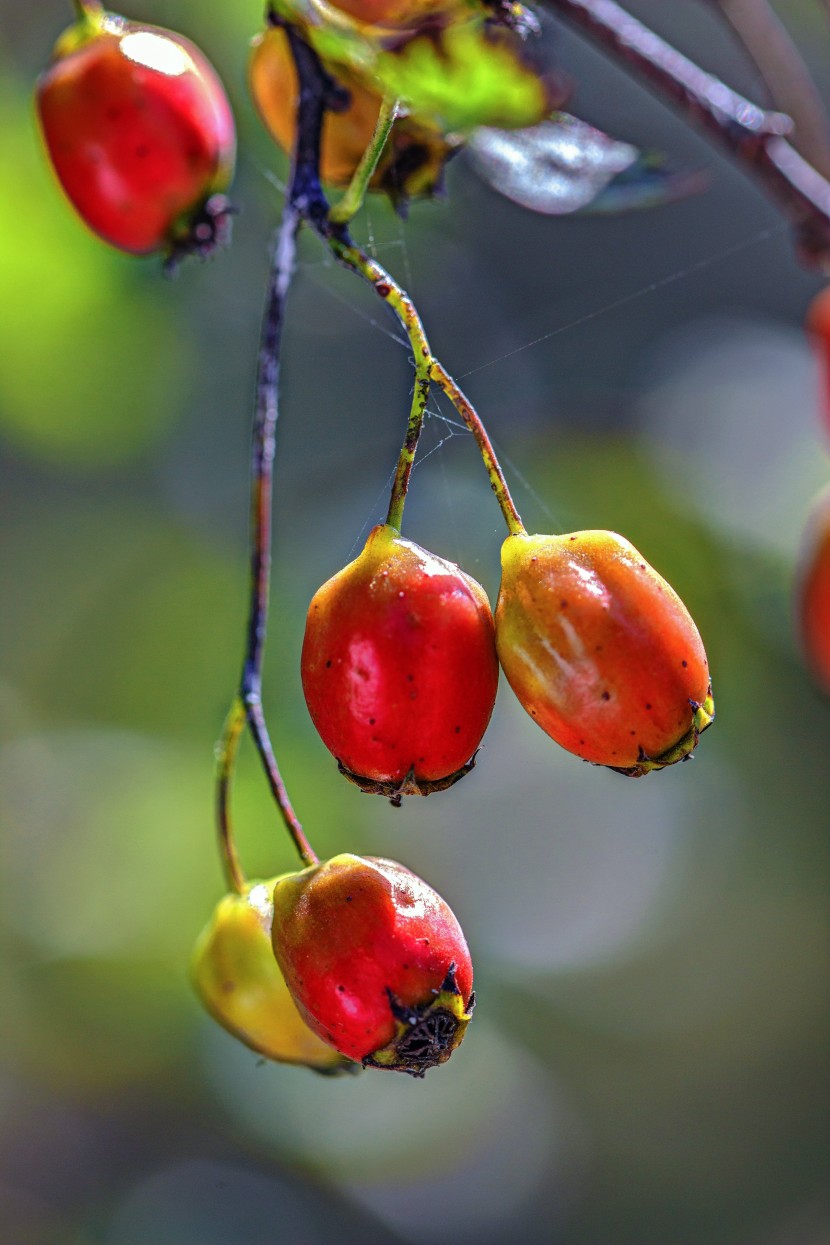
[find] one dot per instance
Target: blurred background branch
(782, 67)
(755, 138)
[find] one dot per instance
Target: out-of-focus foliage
(648, 1061)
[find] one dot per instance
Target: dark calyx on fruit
(395, 791)
(426, 1035)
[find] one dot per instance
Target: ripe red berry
(375, 960)
(240, 984)
(813, 601)
(399, 667)
(140, 133)
(818, 327)
(601, 651)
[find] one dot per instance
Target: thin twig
(785, 74)
(226, 752)
(474, 422)
(355, 192)
(754, 137)
(249, 696)
(313, 85)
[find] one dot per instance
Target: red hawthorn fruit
(813, 597)
(140, 134)
(818, 327)
(399, 667)
(376, 961)
(601, 651)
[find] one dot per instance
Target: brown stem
(754, 137)
(473, 421)
(785, 74)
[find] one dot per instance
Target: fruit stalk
(330, 228)
(355, 193)
(226, 751)
(85, 9)
(352, 257)
(475, 424)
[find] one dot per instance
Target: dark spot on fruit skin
(328, 665)
(572, 538)
(632, 732)
(564, 604)
(458, 730)
(642, 566)
(606, 695)
(382, 289)
(341, 989)
(648, 706)
(684, 664)
(410, 678)
(371, 721)
(348, 899)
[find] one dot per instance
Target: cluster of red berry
(356, 960)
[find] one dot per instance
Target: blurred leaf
(556, 167)
(465, 77)
(563, 165)
(648, 183)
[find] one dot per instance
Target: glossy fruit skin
(412, 163)
(236, 977)
(399, 667)
(601, 651)
(818, 328)
(813, 592)
(139, 131)
(376, 961)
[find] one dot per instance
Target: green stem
(352, 200)
(395, 297)
(473, 421)
(88, 10)
(226, 751)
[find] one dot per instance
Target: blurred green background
(649, 1059)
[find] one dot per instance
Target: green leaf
(465, 77)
